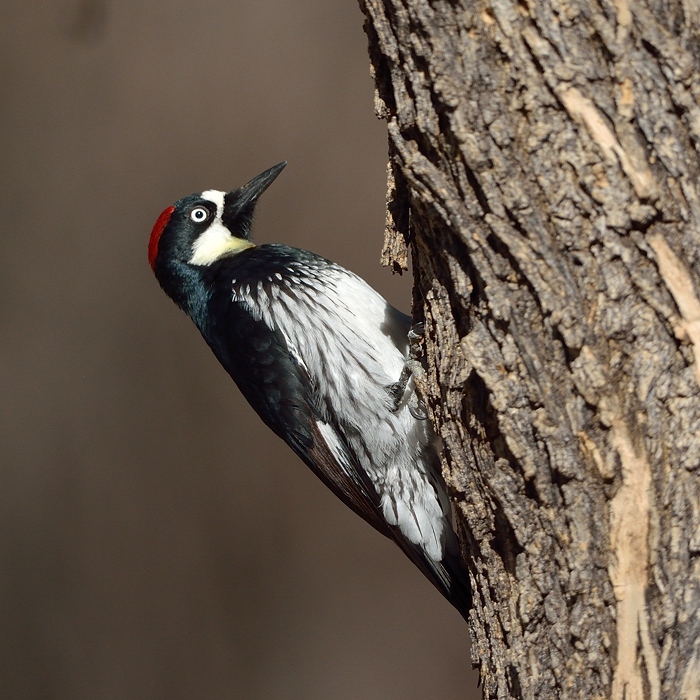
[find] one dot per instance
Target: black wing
(283, 395)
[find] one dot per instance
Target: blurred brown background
(156, 540)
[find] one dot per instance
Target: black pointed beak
(239, 204)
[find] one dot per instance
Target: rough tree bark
(544, 172)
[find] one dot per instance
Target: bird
(324, 360)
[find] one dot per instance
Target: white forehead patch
(217, 241)
(215, 197)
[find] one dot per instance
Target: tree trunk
(544, 173)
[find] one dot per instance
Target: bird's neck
(184, 284)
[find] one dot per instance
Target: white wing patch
(293, 350)
(334, 445)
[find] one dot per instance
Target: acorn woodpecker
(322, 358)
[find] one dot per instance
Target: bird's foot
(413, 369)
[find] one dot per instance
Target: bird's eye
(199, 214)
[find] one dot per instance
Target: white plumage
(353, 344)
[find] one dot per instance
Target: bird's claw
(413, 369)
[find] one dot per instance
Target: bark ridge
(544, 172)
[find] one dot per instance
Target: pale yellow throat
(215, 243)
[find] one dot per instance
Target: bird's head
(203, 228)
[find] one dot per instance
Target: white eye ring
(199, 214)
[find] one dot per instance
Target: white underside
(353, 344)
